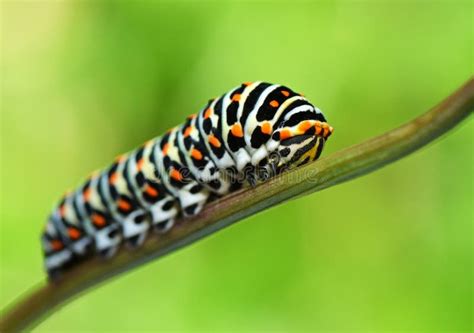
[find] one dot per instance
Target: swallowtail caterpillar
(249, 134)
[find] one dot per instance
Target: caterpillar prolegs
(249, 134)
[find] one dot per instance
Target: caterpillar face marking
(249, 134)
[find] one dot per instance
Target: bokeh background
(84, 81)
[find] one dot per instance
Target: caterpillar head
(300, 144)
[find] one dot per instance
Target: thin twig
(342, 166)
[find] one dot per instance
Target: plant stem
(339, 167)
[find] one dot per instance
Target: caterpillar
(249, 134)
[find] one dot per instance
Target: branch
(339, 167)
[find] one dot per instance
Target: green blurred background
(85, 81)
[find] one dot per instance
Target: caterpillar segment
(249, 134)
(98, 220)
(177, 177)
(151, 192)
(55, 251)
(122, 204)
(200, 164)
(69, 224)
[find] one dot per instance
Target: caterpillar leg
(57, 254)
(82, 246)
(135, 228)
(163, 214)
(249, 173)
(56, 261)
(192, 198)
(107, 241)
(268, 166)
(163, 226)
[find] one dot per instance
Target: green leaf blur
(82, 82)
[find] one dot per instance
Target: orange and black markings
(254, 127)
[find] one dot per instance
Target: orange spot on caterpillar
(246, 84)
(113, 178)
(236, 130)
(187, 131)
(166, 147)
(73, 233)
(214, 141)
(151, 191)
(98, 220)
(87, 194)
(285, 93)
(274, 103)
(176, 175)
(326, 130)
(304, 126)
(196, 154)
(236, 98)
(56, 245)
(140, 163)
(207, 113)
(285, 134)
(267, 128)
(123, 205)
(192, 116)
(318, 127)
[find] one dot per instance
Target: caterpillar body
(249, 134)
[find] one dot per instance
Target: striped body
(247, 135)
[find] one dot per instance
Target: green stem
(342, 166)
